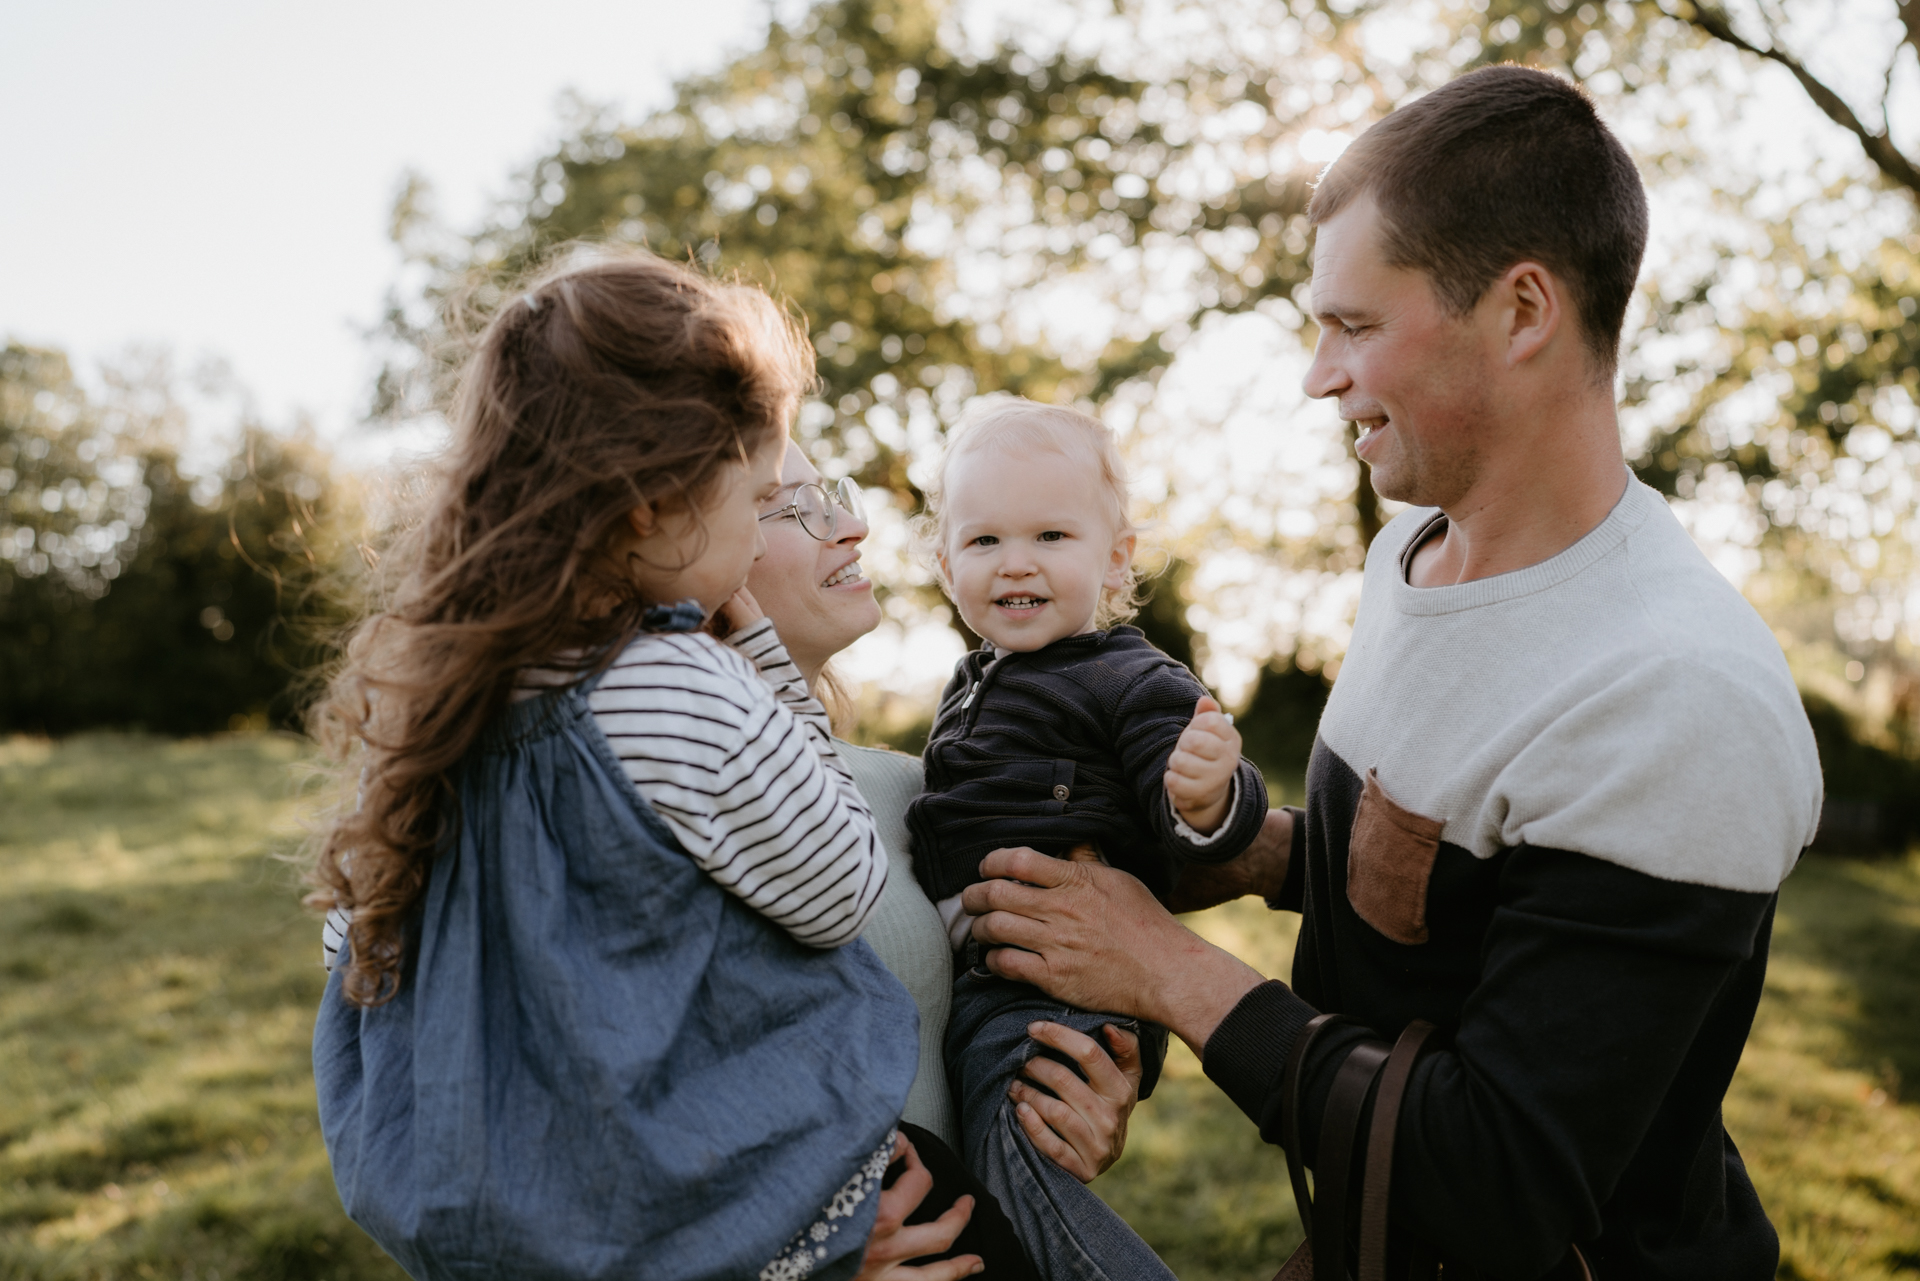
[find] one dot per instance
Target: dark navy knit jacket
(1062, 745)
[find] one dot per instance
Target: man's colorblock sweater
(1549, 811)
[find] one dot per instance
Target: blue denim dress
(601, 1064)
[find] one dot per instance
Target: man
(1564, 769)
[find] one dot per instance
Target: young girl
(598, 1007)
(1061, 731)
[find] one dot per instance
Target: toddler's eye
(986, 540)
(1052, 536)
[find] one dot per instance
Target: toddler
(1062, 730)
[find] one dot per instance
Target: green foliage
(911, 197)
(136, 596)
(840, 164)
(924, 189)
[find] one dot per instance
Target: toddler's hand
(740, 612)
(1200, 771)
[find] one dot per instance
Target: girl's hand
(1081, 1125)
(893, 1243)
(1200, 771)
(740, 612)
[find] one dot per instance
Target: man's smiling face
(1416, 379)
(1029, 543)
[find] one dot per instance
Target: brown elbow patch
(1389, 861)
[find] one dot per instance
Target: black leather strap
(1376, 1190)
(1339, 1128)
(1290, 1088)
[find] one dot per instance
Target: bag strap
(1375, 1191)
(1339, 1128)
(1290, 1088)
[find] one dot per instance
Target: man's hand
(893, 1242)
(1260, 869)
(1094, 937)
(1200, 772)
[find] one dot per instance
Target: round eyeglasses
(818, 509)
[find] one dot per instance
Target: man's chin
(1392, 481)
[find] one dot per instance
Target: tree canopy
(1106, 205)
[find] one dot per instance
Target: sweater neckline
(1628, 514)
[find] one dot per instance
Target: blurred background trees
(134, 594)
(1105, 204)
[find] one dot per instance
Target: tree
(1879, 144)
(135, 595)
(1087, 202)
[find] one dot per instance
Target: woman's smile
(848, 575)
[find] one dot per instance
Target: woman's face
(813, 591)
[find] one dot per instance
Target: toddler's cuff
(1194, 838)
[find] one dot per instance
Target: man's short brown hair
(1504, 165)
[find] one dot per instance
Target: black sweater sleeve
(1147, 724)
(1601, 990)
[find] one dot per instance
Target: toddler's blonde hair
(1002, 418)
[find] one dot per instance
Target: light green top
(905, 928)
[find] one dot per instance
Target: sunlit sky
(215, 176)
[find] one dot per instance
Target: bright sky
(216, 176)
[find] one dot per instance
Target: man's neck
(1530, 504)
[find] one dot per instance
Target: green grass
(157, 987)
(158, 982)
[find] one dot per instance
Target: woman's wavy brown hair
(613, 379)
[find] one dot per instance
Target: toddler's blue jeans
(1070, 1234)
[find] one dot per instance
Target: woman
(810, 584)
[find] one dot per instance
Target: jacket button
(1061, 791)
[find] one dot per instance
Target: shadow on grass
(1861, 920)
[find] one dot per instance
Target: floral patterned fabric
(808, 1246)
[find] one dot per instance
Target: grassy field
(158, 980)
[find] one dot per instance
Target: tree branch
(1879, 146)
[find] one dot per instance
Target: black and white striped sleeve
(754, 791)
(760, 645)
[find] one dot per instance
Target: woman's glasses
(818, 509)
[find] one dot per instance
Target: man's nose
(1326, 376)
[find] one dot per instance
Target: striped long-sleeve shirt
(731, 749)
(734, 753)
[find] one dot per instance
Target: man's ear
(1120, 560)
(1535, 308)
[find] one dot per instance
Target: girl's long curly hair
(613, 379)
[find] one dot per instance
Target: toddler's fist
(1200, 771)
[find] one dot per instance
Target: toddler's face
(1029, 544)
